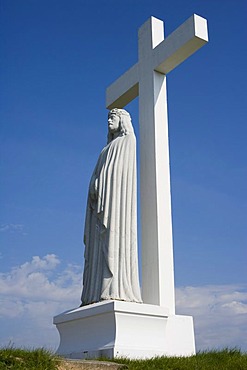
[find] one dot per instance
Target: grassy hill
(40, 359)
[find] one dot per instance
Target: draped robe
(110, 235)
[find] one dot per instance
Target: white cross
(147, 78)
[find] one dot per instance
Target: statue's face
(113, 123)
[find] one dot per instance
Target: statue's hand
(93, 188)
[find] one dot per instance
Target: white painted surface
(157, 57)
(117, 329)
(157, 251)
(175, 49)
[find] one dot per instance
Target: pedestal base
(123, 329)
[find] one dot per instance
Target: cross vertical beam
(157, 250)
(157, 57)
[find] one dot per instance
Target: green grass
(227, 359)
(20, 359)
(40, 359)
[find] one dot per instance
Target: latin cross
(147, 79)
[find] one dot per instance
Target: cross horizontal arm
(177, 47)
(124, 89)
(180, 44)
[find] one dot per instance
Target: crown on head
(119, 112)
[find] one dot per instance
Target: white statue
(110, 235)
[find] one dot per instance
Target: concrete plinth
(123, 329)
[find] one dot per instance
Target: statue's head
(119, 120)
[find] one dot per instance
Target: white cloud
(32, 293)
(219, 314)
(38, 280)
(13, 228)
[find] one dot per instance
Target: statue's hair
(125, 124)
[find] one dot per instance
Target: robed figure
(110, 235)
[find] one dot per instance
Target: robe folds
(110, 235)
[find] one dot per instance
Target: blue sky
(57, 59)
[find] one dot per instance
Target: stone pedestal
(123, 329)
